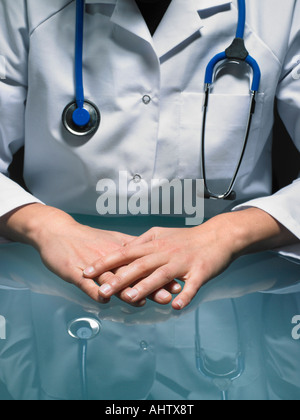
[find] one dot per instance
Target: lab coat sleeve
(284, 206)
(14, 42)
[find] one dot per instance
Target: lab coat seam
(261, 99)
(288, 73)
(49, 17)
(287, 47)
(252, 31)
(179, 164)
(265, 45)
(158, 125)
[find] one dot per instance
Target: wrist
(46, 222)
(32, 223)
(231, 233)
(253, 230)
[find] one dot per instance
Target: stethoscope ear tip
(83, 121)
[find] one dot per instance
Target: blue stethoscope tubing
(79, 63)
(80, 117)
(236, 52)
(240, 33)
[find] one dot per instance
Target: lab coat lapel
(127, 15)
(182, 21)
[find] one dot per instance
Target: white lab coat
(122, 63)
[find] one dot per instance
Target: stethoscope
(84, 330)
(221, 379)
(82, 117)
(235, 52)
(220, 376)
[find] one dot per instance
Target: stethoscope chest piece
(83, 121)
(84, 328)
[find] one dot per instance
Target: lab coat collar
(179, 23)
(183, 19)
(127, 15)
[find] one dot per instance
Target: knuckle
(115, 280)
(106, 277)
(165, 273)
(100, 264)
(154, 232)
(123, 252)
(141, 266)
(157, 245)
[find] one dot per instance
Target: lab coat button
(146, 99)
(137, 178)
(144, 345)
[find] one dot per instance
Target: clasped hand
(145, 267)
(148, 266)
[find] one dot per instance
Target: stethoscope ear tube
(256, 73)
(237, 52)
(209, 74)
(229, 194)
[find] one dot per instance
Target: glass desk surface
(238, 340)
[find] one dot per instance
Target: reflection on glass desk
(238, 340)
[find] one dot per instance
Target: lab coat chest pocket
(227, 118)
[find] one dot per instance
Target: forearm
(253, 230)
(27, 224)
(66, 247)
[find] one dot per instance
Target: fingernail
(179, 303)
(132, 294)
(89, 271)
(176, 287)
(105, 289)
(162, 294)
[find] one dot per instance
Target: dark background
(286, 159)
